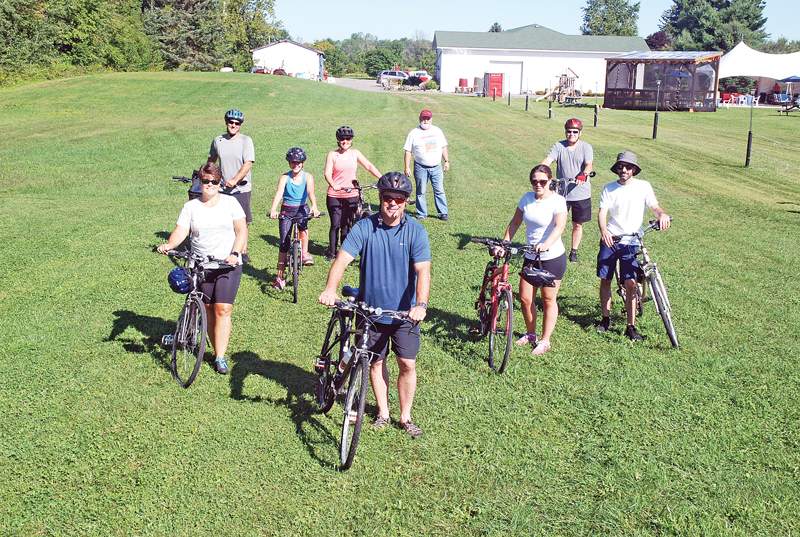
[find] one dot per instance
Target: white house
(294, 58)
(531, 57)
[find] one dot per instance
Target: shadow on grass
(299, 385)
(152, 328)
(580, 310)
(450, 332)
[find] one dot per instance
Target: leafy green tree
(610, 17)
(335, 60)
(781, 46)
(376, 60)
(247, 24)
(496, 28)
(714, 24)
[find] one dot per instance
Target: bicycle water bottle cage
(351, 292)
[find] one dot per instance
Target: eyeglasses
(626, 166)
(539, 182)
(573, 132)
(397, 199)
(212, 181)
(232, 122)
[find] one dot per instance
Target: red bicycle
(495, 303)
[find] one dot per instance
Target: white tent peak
(742, 60)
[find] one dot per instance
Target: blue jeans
(422, 174)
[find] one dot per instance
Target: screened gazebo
(679, 80)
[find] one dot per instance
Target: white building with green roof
(531, 57)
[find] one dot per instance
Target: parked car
(392, 76)
(422, 75)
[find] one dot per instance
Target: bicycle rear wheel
(295, 267)
(189, 342)
(328, 361)
(354, 411)
(659, 292)
(501, 332)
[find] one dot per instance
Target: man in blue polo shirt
(395, 274)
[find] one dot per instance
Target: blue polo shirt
(388, 255)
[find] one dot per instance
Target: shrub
(430, 85)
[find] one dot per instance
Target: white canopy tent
(744, 61)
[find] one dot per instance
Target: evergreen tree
(496, 28)
(610, 17)
(714, 24)
(189, 33)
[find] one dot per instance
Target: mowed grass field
(598, 436)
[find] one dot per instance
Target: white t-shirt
(626, 206)
(426, 145)
(211, 228)
(540, 220)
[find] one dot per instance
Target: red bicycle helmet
(573, 123)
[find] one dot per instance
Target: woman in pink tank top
(340, 172)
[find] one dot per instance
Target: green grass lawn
(598, 436)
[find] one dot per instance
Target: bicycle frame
(499, 283)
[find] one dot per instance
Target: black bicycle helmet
(344, 132)
(180, 280)
(296, 154)
(234, 114)
(396, 182)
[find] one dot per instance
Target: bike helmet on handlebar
(296, 154)
(180, 280)
(573, 123)
(234, 114)
(344, 132)
(396, 182)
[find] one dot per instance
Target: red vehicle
(280, 72)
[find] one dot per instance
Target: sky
(311, 20)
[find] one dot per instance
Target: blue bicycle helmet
(395, 181)
(180, 280)
(296, 154)
(234, 114)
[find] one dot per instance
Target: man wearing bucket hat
(623, 203)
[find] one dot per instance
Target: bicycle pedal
(352, 416)
(319, 363)
(167, 340)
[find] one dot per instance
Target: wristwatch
(237, 254)
(422, 304)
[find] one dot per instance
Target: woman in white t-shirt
(218, 228)
(545, 215)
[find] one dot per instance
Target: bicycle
(195, 190)
(342, 367)
(364, 207)
(294, 264)
(189, 340)
(648, 272)
(560, 185)
(495, 304)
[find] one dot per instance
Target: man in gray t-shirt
(574, 159)
(236, 155)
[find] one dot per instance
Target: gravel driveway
(359, 84)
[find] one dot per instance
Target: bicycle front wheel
(659, 293)
(295, 267)
(189, 342)
(328, 361)
(354, 411)
(501, 332)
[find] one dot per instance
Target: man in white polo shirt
(427, 146)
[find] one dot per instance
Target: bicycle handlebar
(182, 179)
(369, 311)
(297, 218)
(197, 257)
(654, 226)
(497, 243)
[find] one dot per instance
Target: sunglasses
(237, 123)
(397, 199)
(626, 166)
(573, 132)
(539, 182)
(345, 139)
(294, 163)
(212, 181)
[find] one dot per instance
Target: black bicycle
(560, 186)
(195, 190)
(364, 207)
(189, 340)
(294, 264)
(648, 272)
(343, 367)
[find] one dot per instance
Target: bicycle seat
(350, 291)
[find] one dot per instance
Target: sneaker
(421, 218)
(245, 259)
(444, 217)
(279, 284)
(603, 324)
(632, 333)
(330, 257)
(411, 429)
(308, 260)
(379, 423)
(573, 256)
(527, 338)
(541, 347)
(221, 366)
